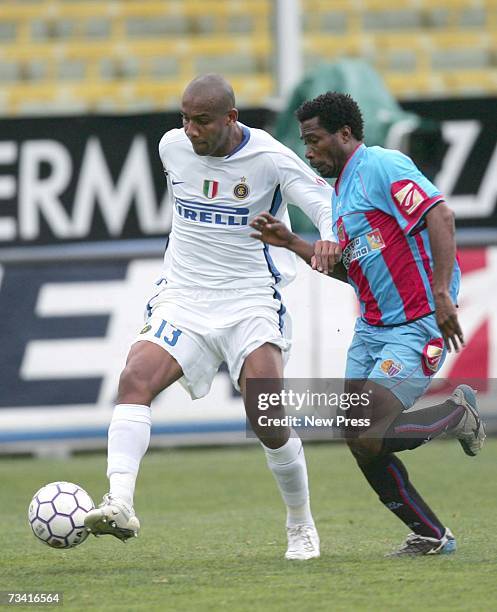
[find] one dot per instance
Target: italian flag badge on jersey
(210, 188)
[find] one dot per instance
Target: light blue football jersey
(379, 204)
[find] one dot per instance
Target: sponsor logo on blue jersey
(213, 214)
(361, 246)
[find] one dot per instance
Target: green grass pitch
(213, 536)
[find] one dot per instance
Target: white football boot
(469, 431)
(303, 542)
(114, 517)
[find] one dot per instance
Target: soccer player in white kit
(218, 297)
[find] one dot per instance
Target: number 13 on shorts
(168, 332)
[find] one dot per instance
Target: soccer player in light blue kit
(399, 255)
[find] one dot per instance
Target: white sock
(129, 436)
(290, 471)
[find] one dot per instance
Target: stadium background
(86, 90)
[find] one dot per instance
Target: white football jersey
(214, 200)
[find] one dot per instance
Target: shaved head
(211, 91)
(209, 115)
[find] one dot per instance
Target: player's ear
(346, 133)
(233, 115)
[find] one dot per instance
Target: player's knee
(275, 438)
(365, 449)
(134, 386)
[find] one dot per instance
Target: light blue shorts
(402, 359)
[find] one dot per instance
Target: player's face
(327, 153)
(207, 128)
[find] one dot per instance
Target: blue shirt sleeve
(400, 189)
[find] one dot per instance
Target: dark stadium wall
(466, 156)
(99, 178)
(88, 178)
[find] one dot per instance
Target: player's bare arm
(327, 256)
(272, 231)
(441, 232)
(323, 255)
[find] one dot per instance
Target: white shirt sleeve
(303, 188)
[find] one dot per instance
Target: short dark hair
(334, 110)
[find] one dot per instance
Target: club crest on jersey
(408, 196)
(390, 367)
(241, 189)
(375, 240)
(210, 188)
(340, 231)
(432, 355)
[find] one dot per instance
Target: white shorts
(202, 328)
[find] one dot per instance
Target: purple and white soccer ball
(57, 513)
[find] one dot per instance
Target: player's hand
(271, 231)
(326, 255)
(446, 315)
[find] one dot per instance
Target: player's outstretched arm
(323, 256)
(440, 223)
(272, 231)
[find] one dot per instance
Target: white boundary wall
(323, 312)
